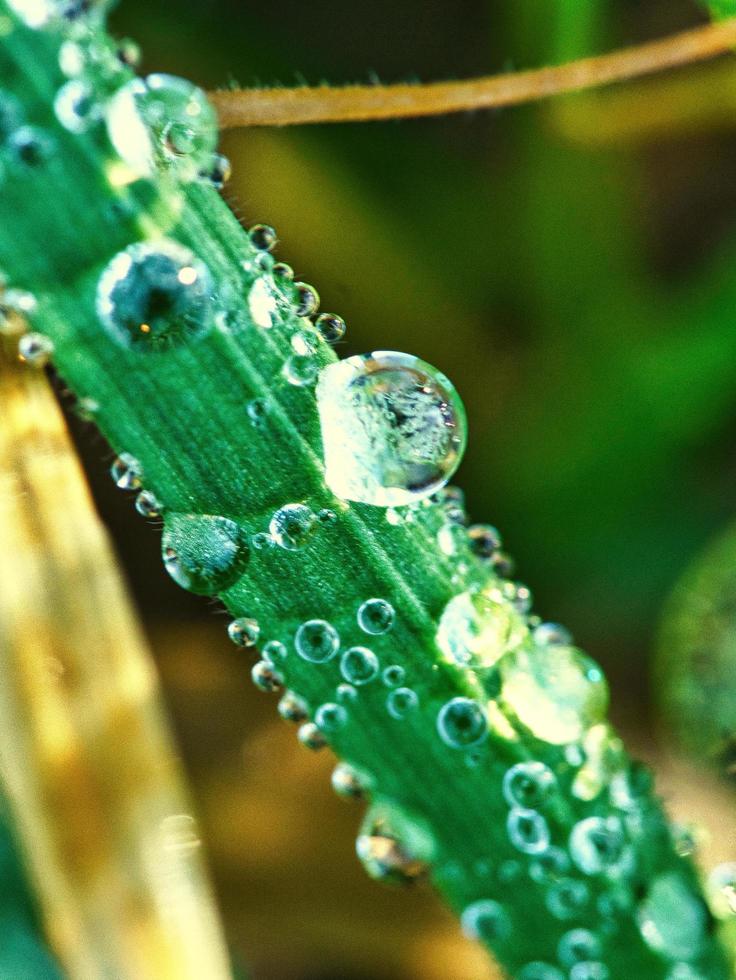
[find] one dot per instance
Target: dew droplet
(528, 785)
(76, 106)
(203, 553)
(330, 717)
(393, 675)
(317, 641)
(590, 970)
(126, 472)
(327, 517)
(461, 722)
(35, 349)
(484, 540)
(549, 866)
(293, 708)
(30, 146)
(528, 830)
(376, 616)
(486, 920)
(256, 409)
(552, 634)
(557, 692)
(347, 782)
(478, 627)
(219, 172)
(401, 702)
(383, 856)
(262, 304)
(39, 13)
(359, 665)
(578, 946)
(163, 123)
(155, 295)
(244, 632)
(266, 677)
(306, 299)
(672, 918)
(262, 541)
(539, 971)
(566, 898)
(721, 890)
(263, 237)
(393, 428)
(292, 526)
(346, 693)
(331, 327)
(598, 845)
(274, 651)
(148, 505)
(311, 737)
(300, 370)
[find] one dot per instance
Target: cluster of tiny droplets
(393, 433)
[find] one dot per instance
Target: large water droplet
(393, 428)
(556, 692)
(461, 722)
(203, 553)
(477, 628)
(672, 918)
(292, 526)
(317, 641)
(155, 295)
(163, 123)
(359, 665)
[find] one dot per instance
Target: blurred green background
(571, 265)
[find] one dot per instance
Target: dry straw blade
(95, 786)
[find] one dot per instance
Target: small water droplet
(203, 553)
(347, 782)
(292, 526)
(262, 541)
(461, 722)
(86, 409)
(293, 708)
(552, 634)
(598, 845)
(331, 327)
(263, 237)
(163, 123)
(673, 918)
(77, 106)
(274, 651)
(311, 737)
(317, 641)
(256, 409)
(376, 616)
(566, 898)
(484, 540)
(35, 349)
(486, 920)
(528, 785)
(219, 172)
(326, 517)
(359, 665)
(266, 677)
(155, 295)
(346, 693)
(306, 299)
(528, 830)
(549, 866)
(401, 702)
(383, 856)
(393, 428)
(300, 370)
(330, 717)
(539, 971)
(393, 675)
(578, 946)
(244, 632)
(148, 505)
(126, 472)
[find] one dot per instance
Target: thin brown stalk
(354, 103)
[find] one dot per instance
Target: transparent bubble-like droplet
(306, 299)
(148, 505)
(274, 651)
(262, 303)
(550, 866)
(486, 920)
(263, 237)
(311, 737)
(393, 428)
(203, 553)
(376, 616)
(721, 890)
(528, 830)
(557, 692)
(359, 665)
(266, 677)
(393, 675)
(552, 634)
(330, 717)
(539, 971)
(155, 295)
(528, 785)
(39, 13)
(35, 349)
(293, 708)
(590, 970)
(566, 898)
(484, 540)
(383, 856)
(672, 918)
(163, 123)
(292, 526)
(331, 327)
(317, 641)
(346, 693)
(477, 628)
(347, 782)
(461, 722)
(578, 946)
(401, 702)
(126, 472)
(30, 146)
(77, 106)
(598, 845)
(244, 632)
(300, 370)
